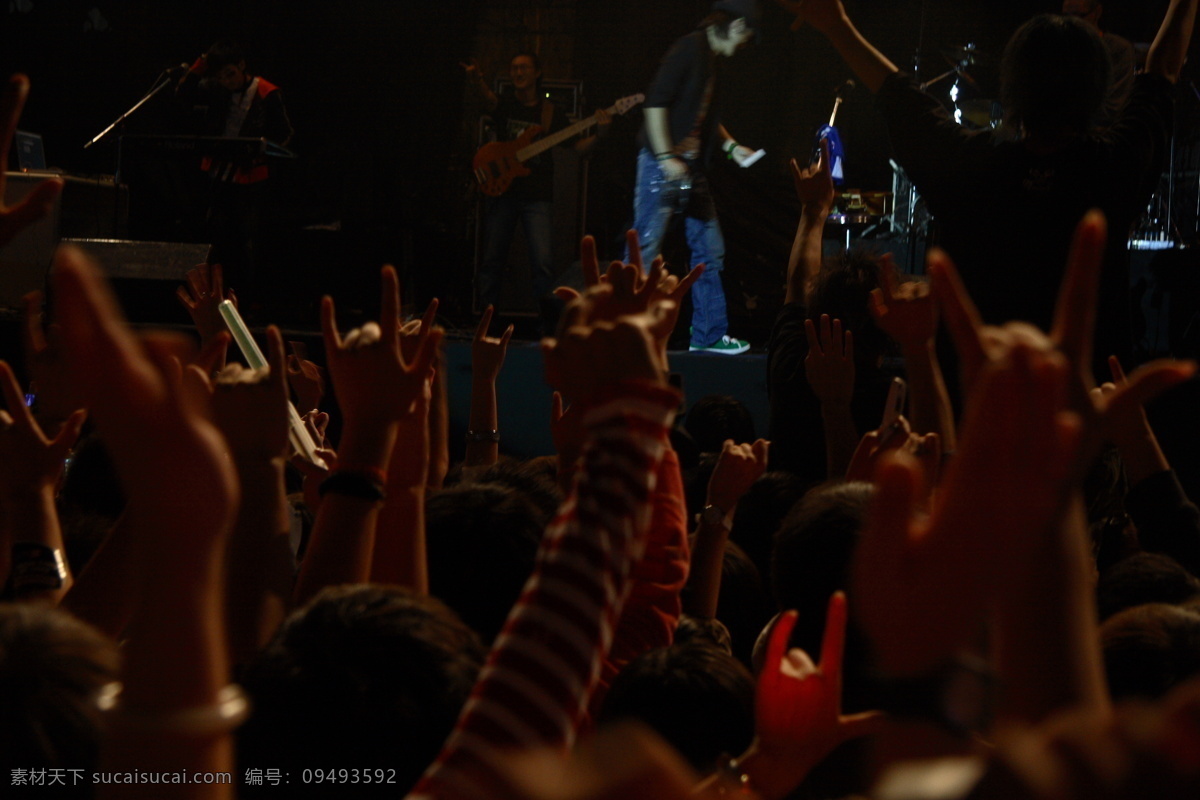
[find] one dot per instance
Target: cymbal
(964, 55)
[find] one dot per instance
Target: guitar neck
(542, 145)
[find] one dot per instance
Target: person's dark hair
(52, 668)
(743, 604)
(361, 675)
(482, 540)
(1143, 578)
(716, 417)
(698, 698)
(225, 52)
(537, 62)
(1054, 75)
(814, 548)
(1104, 490)
(685, 447)
(1150, 649)
(536, 478)
(761, 511)
(703, 630)
(842, 290)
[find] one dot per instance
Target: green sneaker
(727, 346)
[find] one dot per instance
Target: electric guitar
(498, 163)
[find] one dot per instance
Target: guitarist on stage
(682, 134)
(530, 197)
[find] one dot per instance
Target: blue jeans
(655, 202)
(500, 221)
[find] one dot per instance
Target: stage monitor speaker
(145, 275)
(25, 260)
(86, 207)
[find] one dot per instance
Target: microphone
(197, 67)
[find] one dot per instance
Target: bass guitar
(498, 163)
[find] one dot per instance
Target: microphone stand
(163, 82)
(160, 83)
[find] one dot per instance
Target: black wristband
(483, 436)
(352, 484)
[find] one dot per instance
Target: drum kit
(901, 213)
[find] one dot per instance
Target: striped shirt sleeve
(544, 666)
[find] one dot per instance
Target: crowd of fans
(1001, 603)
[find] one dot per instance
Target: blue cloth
(501, 216)
(655, 202)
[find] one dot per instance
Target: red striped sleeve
(539, 677)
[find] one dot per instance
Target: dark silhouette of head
(482, 542)
(761, 511)
(841, 290)
(1150, 649)
(717, 417)
(1054, 76)
(52, 668)
(697, 697)
(361, 675)
(814, 548)
(1144, 578)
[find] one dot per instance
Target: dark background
(385, 125)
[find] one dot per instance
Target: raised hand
(316, 422)
(47, 369)
(738, 467)
(30, 460)
(202, 298)
(306, 378)
(167, 451)
(375, 384)
(898, 436)
(593, 352)
(814, 183)
(798, 704)
(250, 406)
(471, 69)
(637, 288)
(487, 353)
(411, 332)
(1070, 335)
(37, 204)
(1006, 486)
(821, 14)
(905, 311)
(829, 364)
(183, 495)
